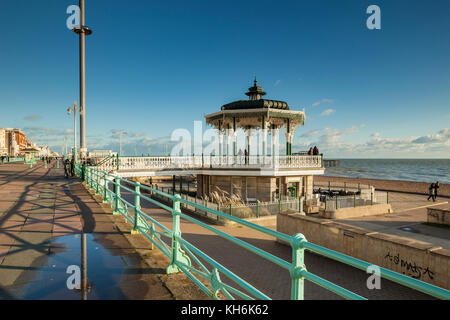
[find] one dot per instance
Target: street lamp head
(69, 111)
(83, 29)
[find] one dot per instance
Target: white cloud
(323, 101)
(328, 112)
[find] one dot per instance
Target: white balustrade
(198, 162)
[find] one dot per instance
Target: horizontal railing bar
(265, 230)
(282, 263)
(225, 271)
(331, 286)
(385, 273)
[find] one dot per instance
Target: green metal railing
(15, 159)
(206, 272)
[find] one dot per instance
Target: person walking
(435, 193)
(431, 192)
(66, 168)
(72, 167)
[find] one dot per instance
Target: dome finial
(255, 82)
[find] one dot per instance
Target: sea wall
(438, 216)
(419, 260)
(390, 185)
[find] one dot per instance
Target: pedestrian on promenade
(66, 168)
(431, 192)
(72, 167)
(436, 187)
(315, 151)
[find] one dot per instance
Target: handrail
(181, 252)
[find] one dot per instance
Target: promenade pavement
(42, 219)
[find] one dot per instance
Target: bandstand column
(289, 137)
(220, 143)
(274, 140)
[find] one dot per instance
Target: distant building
(12, 142)
(3, 144)
(101, 153)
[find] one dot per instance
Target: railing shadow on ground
(189, 259)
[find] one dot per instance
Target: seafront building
(13, 142)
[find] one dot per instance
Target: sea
(421, 170)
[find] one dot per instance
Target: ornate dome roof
(255, 102)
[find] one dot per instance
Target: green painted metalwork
(182, 252)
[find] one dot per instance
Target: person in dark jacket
(431, 192)
(66, 168)
(72, 167)
(436, 187)
(315, 151)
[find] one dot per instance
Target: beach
(390, 185)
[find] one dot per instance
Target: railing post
(117, 162)
(105, 187)
(337, 202)
(231, 210)
(301, 204)
(137, 207)
(91, 178)
(298, 266)
(178, 255)
(387, 197)
(117, 195)
(279, 205)
(326, 198)
(257, 208)
(371, 198)
(97, 185)
(354, 201)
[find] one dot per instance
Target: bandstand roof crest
(256, 113)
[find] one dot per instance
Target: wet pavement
(58, 275)
(43, 218)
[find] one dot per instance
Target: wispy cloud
(277, 83)
(323, 101)
(328, 112)
(32, 117)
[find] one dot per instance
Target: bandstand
(257, 174)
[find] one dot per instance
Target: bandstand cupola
(255, 113)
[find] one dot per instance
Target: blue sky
(155, 66)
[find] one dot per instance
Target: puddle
(408, 229)
(47, 278)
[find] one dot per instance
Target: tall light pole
(74, 109)
(120, 133)
(82, 31)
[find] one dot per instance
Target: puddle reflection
(104, 269)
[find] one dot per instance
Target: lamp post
(120, 133)
(82, 31)
(74, 109)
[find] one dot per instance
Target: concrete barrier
(417, 259)
(353, 212)
(438, 216)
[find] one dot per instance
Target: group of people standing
(69, 168)
(313, 151)
(3, 158)
(433, 191)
